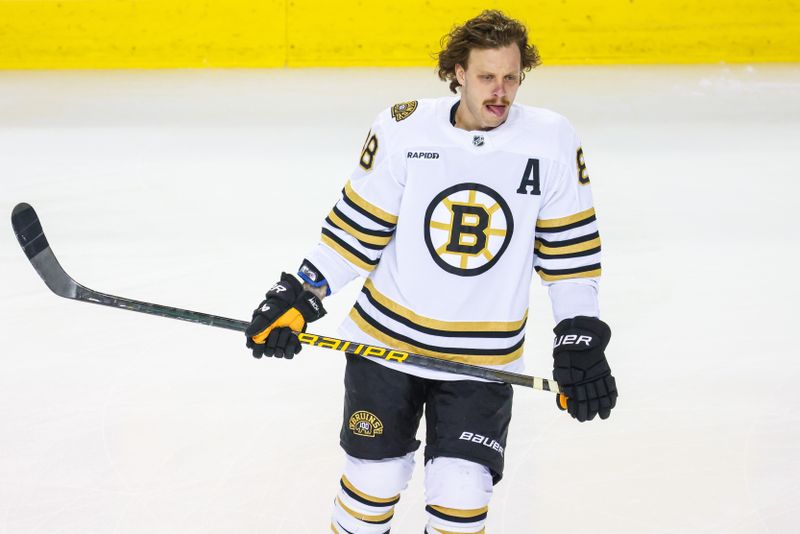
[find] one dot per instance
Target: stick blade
(31, 238)
(28, 229)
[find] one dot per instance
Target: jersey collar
(478, 140)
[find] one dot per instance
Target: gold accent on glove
(291, 318)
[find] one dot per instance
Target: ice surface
(196, 188)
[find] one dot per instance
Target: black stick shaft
(30, 235)
(87, 295)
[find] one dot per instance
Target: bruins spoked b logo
(467, 228)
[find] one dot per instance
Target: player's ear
(461, 74)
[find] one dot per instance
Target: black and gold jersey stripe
(585, 245)
(346, 251)
(562, 224)
(585, 271)
(479, 356)
(401, 314)
(367, 209)
(371, 239)
(358, 230)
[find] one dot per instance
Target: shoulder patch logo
(364, 423)
(403, 110)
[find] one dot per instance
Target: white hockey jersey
(448, 226)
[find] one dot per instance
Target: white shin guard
(457, 495)
(369, 490)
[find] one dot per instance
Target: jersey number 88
(369, 151)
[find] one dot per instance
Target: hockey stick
(31, 238)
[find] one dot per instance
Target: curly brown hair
(490, 29)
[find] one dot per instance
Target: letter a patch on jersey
(467, 228)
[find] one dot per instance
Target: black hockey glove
(285, 311)
(581, 369)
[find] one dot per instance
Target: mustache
(503, 101)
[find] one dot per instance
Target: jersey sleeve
(567, 245)
(362, 222)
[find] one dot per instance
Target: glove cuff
(286, 290)
(581, 333)
(310, 306)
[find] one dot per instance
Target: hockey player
(454, 203)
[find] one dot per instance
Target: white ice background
(196, 188)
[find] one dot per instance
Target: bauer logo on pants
(467, 228)
(366, 424)
(482, 440)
